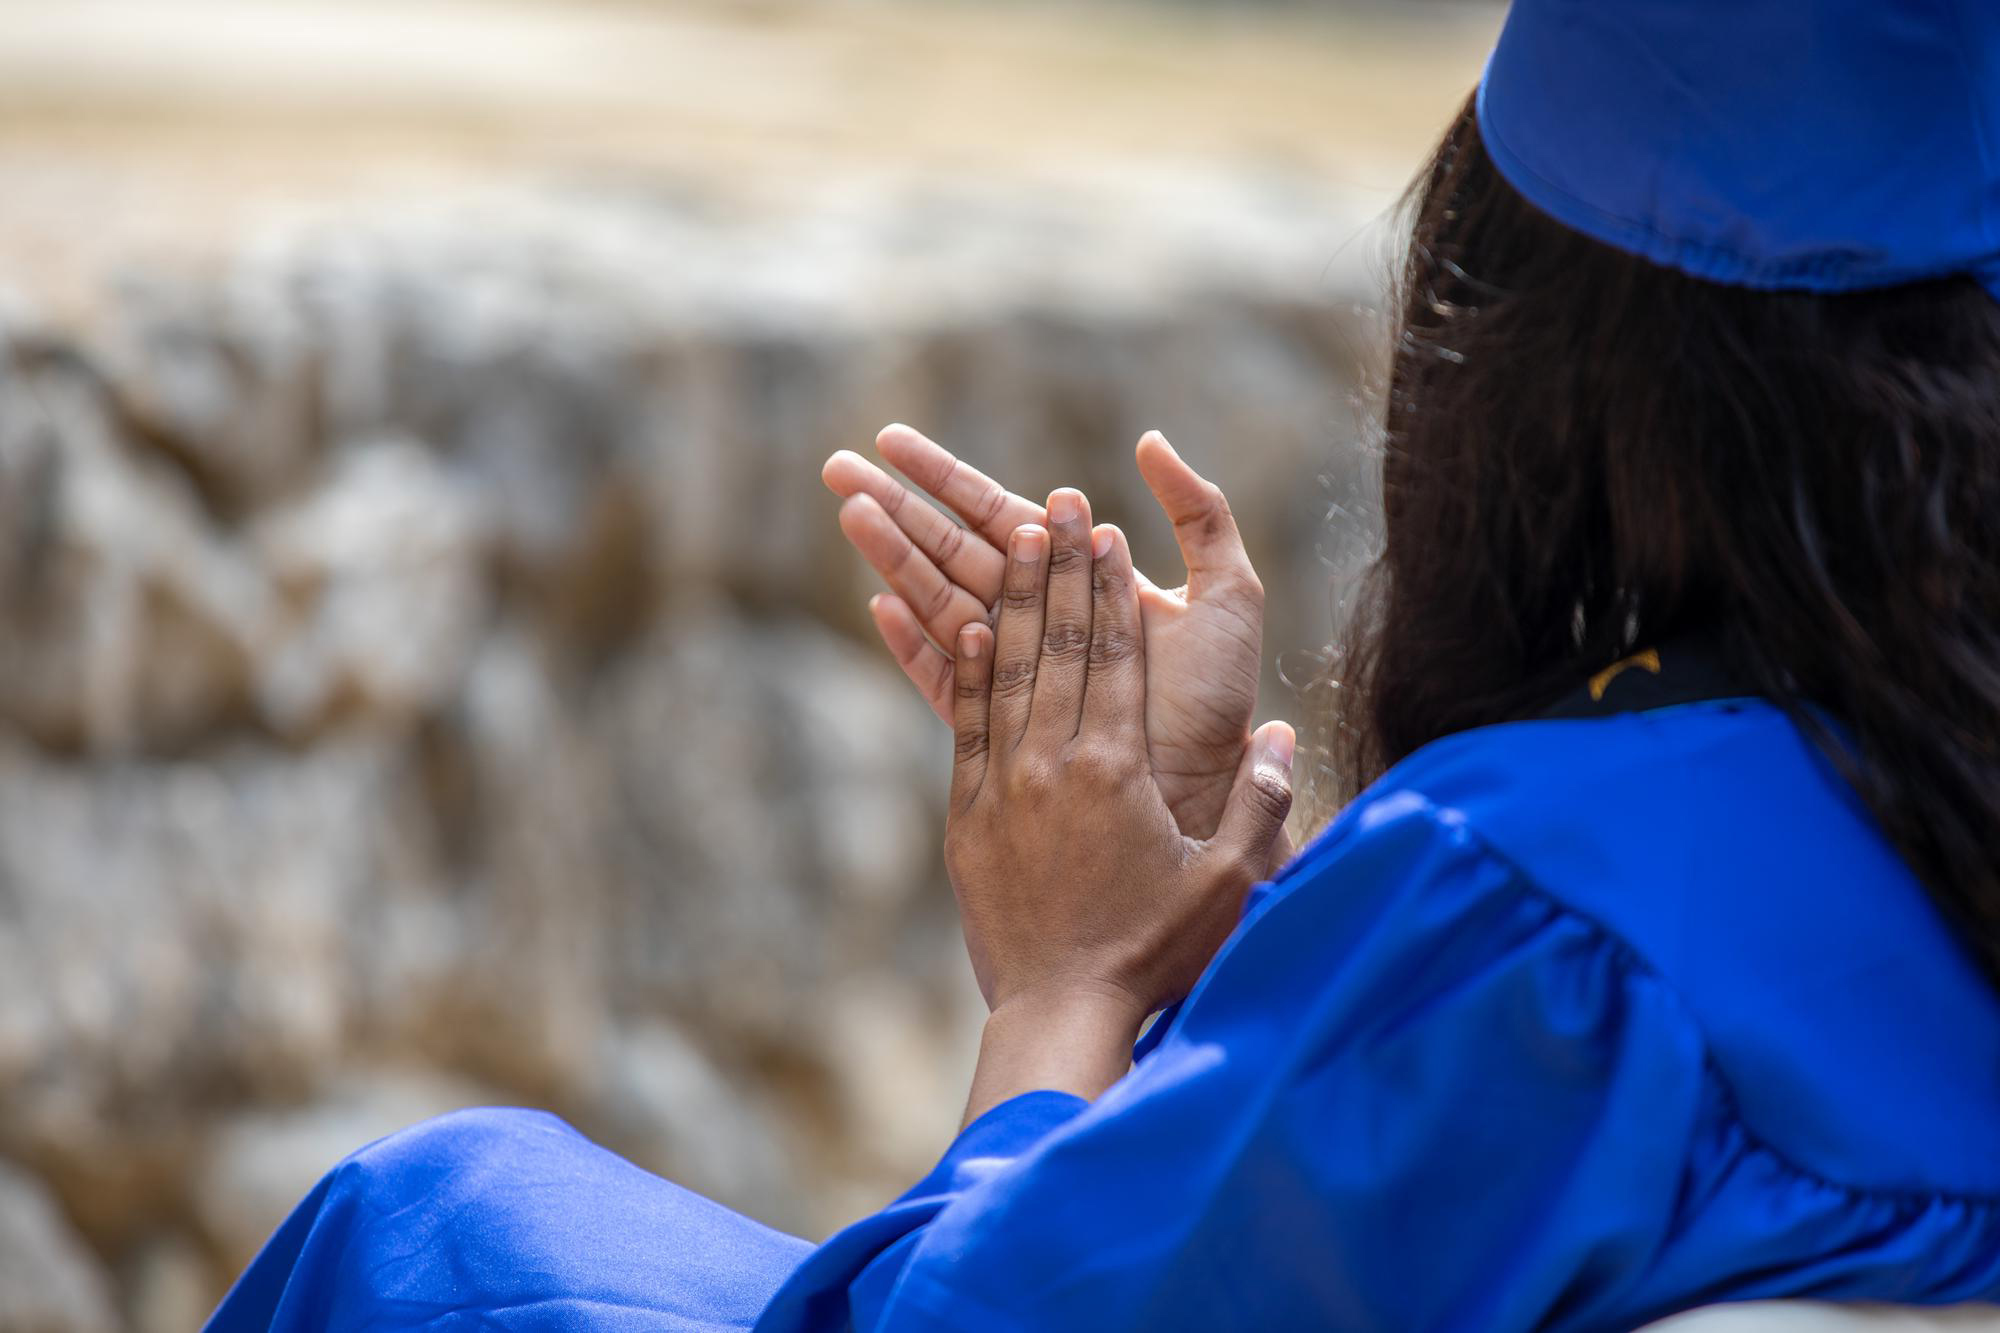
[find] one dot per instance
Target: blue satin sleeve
(1412, 1092)
(507, 1221)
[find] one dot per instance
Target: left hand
(1203, 640)
(1073, 879)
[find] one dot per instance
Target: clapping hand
(1085, 906)
(1203, 641)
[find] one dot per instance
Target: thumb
(1254, 819)
(1204, 529)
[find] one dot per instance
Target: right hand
(1203, 640)
(1072, 876)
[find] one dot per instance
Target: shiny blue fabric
(1565, 1025)
(1826, 145)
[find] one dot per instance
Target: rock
(214, 933)
(169, 1286)
(884, 1041)
(49, 1282)
(223, 381)
(177, 938)
(30, 474)
(734, 864)
(258, 1164)
(131, 619)
(665, 1103)
(430, 671)
(384, 578)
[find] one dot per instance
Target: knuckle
(1113, 645)
(1087, 763)
(1030, 779)
(1270, 794)
(1102, 765)
(1022, 596)
(1212, 520)
(1013, 675)
(1065, 556)
(969, 688)
(992, 500)
(1065, 640)
(971, 742)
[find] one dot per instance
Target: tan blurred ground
(138, 129)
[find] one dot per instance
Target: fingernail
(1065, 506)
(968, 642)
(1028, 544)
(1100, 543)
(874, 602)
(1280, 744)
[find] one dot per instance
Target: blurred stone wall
(430, 675)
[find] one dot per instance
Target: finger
(1059, 679)
(928, 669)
(972, 673)
(1204, 529)
(940, 605)
(1254, 818)
(988, 508)
(963, 556)
(1114, 696)
(1017, 648)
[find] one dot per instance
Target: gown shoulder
(1725, 851)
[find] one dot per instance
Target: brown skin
(1203, 641)
(1085, 906)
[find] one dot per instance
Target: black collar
(1680, 671)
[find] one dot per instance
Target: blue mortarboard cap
(1826, 145)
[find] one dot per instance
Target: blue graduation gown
(1565, 1024)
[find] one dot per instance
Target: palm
(1202, 663)
(1204, 641)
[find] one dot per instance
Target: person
(1656, 961)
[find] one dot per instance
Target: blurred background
(430, 672)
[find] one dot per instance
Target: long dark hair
(1587, 453)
